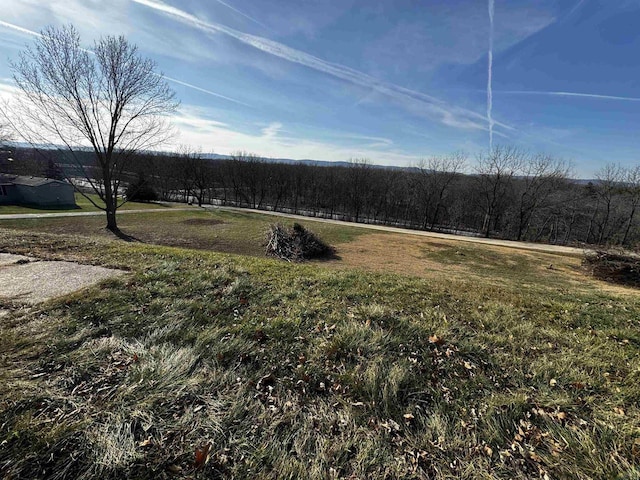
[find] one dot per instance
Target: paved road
(19, 216)
(538, 247)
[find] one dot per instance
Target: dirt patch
(37, 281)
(202, 221)
(391, 253)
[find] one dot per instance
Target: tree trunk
(110, 202)
(111, 219)
(486, 225)
(629, 223)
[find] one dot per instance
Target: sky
(393, 81)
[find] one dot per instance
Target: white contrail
(230, 7)
(174, 80)
(490, 76)
(204, 90)
(19, 29)
(570, 94)
(447, 114)
(576, 7)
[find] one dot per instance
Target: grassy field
(222, 231)
(82, 205)
(404, 358)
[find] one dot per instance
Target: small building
(36, 192)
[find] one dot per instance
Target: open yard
(404, 357)
(83, 205)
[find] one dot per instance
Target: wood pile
(295, 244)
(614, 266)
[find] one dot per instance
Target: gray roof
(27, 181)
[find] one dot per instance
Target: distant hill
(305, 161)
(85, 157)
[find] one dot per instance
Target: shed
(35, 192)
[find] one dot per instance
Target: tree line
(507, 193)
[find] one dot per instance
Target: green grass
(82, 205)
(223, 231)
(301, 371)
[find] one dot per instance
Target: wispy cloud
(170, 79)
(369, 141)
(569, 94)
(271, 131)
(274, 141)
(248, 17)
(447, 114)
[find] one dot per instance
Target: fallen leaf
(435, 339)
(620, 411)
(553, 382)
(201, 457)
(535, 457)
(146, 443)
(408, 416)
(488, 450)
(635, 449)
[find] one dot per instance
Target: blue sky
(392, 81)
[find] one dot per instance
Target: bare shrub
(295, 244)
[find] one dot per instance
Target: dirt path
(537, 247)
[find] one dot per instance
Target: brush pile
(295, 244)
(614, 266)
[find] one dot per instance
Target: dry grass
(506, 369)
(446, 260)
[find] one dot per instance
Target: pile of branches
(614, 266)
(295, 244)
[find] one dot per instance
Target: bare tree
(109, 101)
(610, 178)
(202, 176)
(249, 175)
(358, 178)
(540, 177)
(5, 134)
(436, 177)
(5, 151)
(496, 170)
(632, 194)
